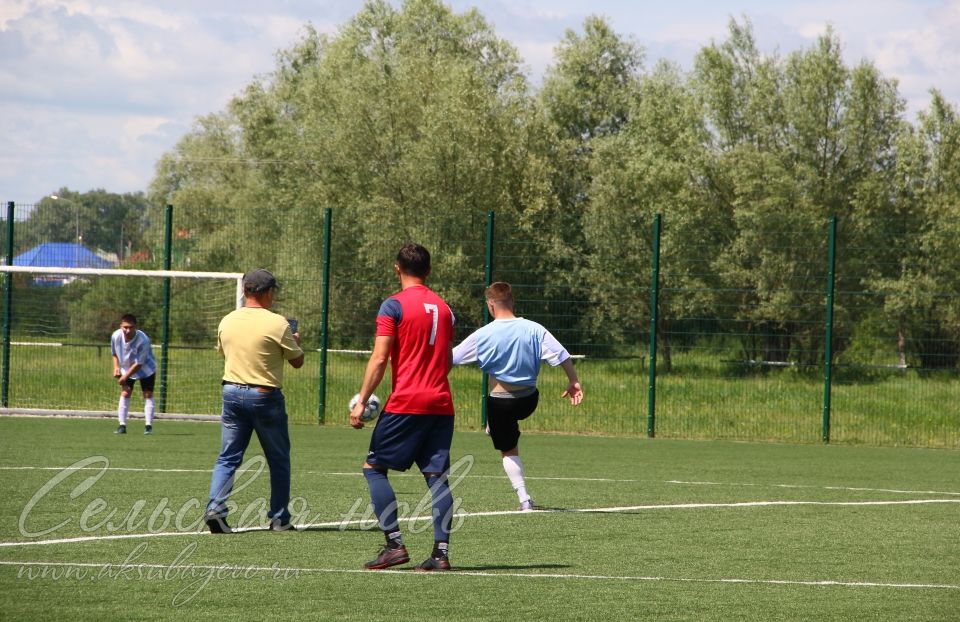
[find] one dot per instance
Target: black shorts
(503, 416)
(146, 384)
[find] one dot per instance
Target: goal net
(56, 336)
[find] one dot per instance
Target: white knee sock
(122, 409)
(148, 409)
(514, 469)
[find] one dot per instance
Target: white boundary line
(628, 508)
(356, 473)
(529, 477)
(494, 575)
(846, 488)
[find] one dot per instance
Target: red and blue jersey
(421, 324)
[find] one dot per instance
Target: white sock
(148, 410)
(123, 409)
(514, 469)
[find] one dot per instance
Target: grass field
(701, 399)
(636, 530)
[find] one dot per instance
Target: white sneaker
(527, 506)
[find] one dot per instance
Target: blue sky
(92, 92)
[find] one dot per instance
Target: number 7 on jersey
(435, 312)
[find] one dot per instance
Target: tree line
(412, 123)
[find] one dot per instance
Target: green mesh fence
(741, 332)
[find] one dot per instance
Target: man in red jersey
(414, 333)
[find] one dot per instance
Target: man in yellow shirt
(254, 342)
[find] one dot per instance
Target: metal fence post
(654, 302)
(324, 316)
(487, 279)
(828, 339)
(7, 310)
(165, 329)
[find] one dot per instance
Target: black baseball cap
(259, 280)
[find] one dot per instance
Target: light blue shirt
(510, 350)
(137, 350)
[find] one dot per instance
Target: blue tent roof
(61, 255)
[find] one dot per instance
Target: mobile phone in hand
(294, 324)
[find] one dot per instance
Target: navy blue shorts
(400, 440)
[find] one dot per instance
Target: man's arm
(574, 390)
(141, 353)
(552, 351)
(297, 363)
(130, 372)
(376, 367)
(116, 366)
(466, 351)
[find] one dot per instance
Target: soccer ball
(371, 411)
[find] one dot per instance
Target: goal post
(188, 274)
(56, 327)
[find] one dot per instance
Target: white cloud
(537, 56)
(95, 93)
(96, 90)
(12, 9)
(923, 56)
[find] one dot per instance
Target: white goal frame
(236, 276)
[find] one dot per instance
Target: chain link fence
(784, 330)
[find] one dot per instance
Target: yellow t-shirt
(254, 343)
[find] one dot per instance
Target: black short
(146, 384)
(503, 415)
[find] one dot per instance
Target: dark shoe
(433, 564)
(528, 506)
(388, 557)
(121, 430)
(148, 430)
(217, 524)
(281, 525)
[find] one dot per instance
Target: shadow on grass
(319, 528)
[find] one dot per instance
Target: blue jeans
(247, 410)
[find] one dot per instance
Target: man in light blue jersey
(510, 349)
(133, 360)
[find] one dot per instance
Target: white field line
(357, 473)
(412, 519)
(225, 568)
(846, 488)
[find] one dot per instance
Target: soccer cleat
(121, 430)
(434, 564)
(527, 506)
(216, 524)
(148, 430)
(388, 557)
(281, 525)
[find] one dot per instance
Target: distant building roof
(61, 255)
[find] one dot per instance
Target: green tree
(586, 95)
(586, 98)
(410, 124)
(110, 222)
(656, 164)
(921, 298)
(797, 141)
